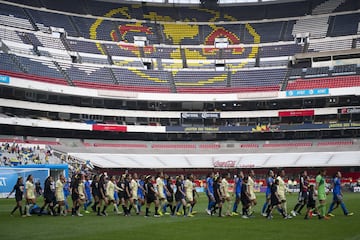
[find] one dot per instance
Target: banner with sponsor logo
(4, 79)
(203, 115)
(344, 125)
(307, 92)
(108, 127)
(9, 176)
(348, 110)
(296, 113)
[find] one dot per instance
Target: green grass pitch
(201, 226)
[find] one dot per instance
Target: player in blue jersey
(210, 192)
(87, 187)
(338, 197)
(141, 192)
(269, 182)
(237, 191)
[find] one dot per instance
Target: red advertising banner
(296, 113)
(110, 128)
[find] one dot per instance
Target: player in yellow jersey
(30, 194)
(251, 186)
(189, 197)
(224, 187)
(134, 185)
(282, 189)
(160, 191)
(110, 192)
(59, 195)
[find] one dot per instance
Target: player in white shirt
(282, 189)
(224, 188)
(160, 191)
(189, 197)
(251, 186)
(110, 192)
(134, 185)
(59, 194)
(30, 194)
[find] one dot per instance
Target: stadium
(180, 87)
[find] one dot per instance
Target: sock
(301, 207)
(264, 207)
(172, 208)
(164, 208)
(156, 210)
(209, 205)
(297, 206)
(14, 209)
(104, 208)
(20, 210)
(220, 208)
(184, 209)
(116, 208)
(284, 207)
(130, 207)
(147, 212)
(124, 209)
(322, 210)
(98, 210)
(282, 212)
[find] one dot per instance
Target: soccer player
(210, 192)
(170, 195)
(127, 195)
(251, 185)
(224, 188)
(269, 182)
(87, 187)
(303, 194)
(282, 189)
(141, 192)
(245, 197)
(95, 191)
(218, 196)
(110, 192)
(189, 197)
(102, 196)
(59, 195)
(49, 196)
(75, 195)
(19, 192)
(338, 197)
(275, 201)
(82, 194)
(134, 193)
(180, 195)
(151, 196)
(321, 194)
(237, 190)
(311, 202)
(30, 194)
(160, 190)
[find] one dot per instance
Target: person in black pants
(49, 196)
(151, 196)
(19, 192)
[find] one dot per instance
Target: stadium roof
(197, 2)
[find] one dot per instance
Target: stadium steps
(183, 57)
(286, 80)
(18, 63)
(327, 7)
(172, 83)
(113, 76)
(228, 80)
(75, 26)
(31, 19)
(64, 73)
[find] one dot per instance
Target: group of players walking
(131, 192)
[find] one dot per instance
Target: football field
(202, 226)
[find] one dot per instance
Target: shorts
(275, 202)
(217, 199)
(121, 195)
(245, 201)
(111, 197)
(282, 196)
(189, 198)
(18, 198)
(170, 198)
(268, 195)
(161, 196)
(75, 197)
(150, 199)
(252, 196)
(311, 204)
(178, 197)
(321, 196)
(49, 199)
(60, 197)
